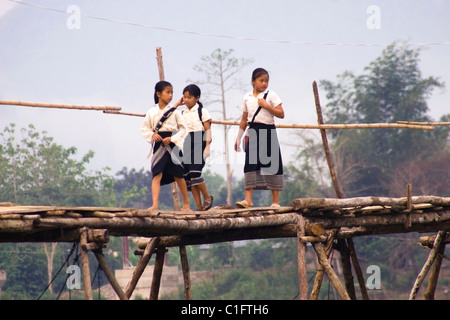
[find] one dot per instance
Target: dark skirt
(193, 160)
(167, 160)
(263, 162)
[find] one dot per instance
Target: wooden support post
(109, 274)
(346, 266)
(426, 267)
(176, 199)
(157, 272)
(301, 259)
(320, 270)
(409, 205)
(358, 271)
(328, 269)
(85, 264)
(185, 270)
(139, 269)
(433, 279)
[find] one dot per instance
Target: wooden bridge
(319, 221)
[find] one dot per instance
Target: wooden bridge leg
(426, 267)
(186, 276)
(301, 257)
(323, 260)
(85, 264)
(145, 258)
(433, 279)
(347, 268)
(358, 271)
(111, 278)
(157, 272)
(320, 270)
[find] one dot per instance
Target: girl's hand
(166, 140)
(156, 137)
(179, 103)
(236, 146)
(206, 152)
(263, 103)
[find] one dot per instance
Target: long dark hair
(195, 91)
(258, 72)
(159, 87)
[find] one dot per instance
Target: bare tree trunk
(225, 138)
(50, 255)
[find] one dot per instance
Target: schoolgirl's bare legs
(184, 193)
(156, 188)
(249, 196)
(197, 191)
(275, 197)
(196, 195)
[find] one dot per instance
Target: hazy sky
(103, 53)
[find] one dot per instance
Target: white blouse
(193, 122)
(250, 105)
(175, 123)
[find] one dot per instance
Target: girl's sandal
(243, 204)
(208, 204)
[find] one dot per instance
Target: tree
(392, 89)
(37, 171)
(220, 69)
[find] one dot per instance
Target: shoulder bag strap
(164, 117)
(259, 108)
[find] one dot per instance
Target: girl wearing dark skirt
(263, 169)
(164, 127)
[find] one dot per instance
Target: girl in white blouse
(263, 167)
(196, 146)
(165, 128)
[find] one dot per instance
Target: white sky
(107, 62)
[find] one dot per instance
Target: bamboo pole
(426, 267)
(309, 126)
(109, 274)
(340, 126)
(139, 269)
(157, 273)
(58, 105)
(176, 199)
(85, 264)
(160, 63)
(342, 245)
(186, 275)
(301, 259)
(425, 123)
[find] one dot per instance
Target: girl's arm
(146, 128)
(179, 103)
(276, 111)
(208, 134)
(178, 137)
(208, 139)
(242, 127)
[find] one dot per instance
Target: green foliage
(264, 269)
(37, 171)
(392, 90)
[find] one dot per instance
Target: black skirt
(167, 160)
